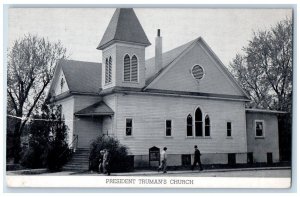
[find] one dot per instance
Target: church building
(177, 99)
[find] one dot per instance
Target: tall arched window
(134, 69)
(106, 71)
(198, 123)
(207, 126)
(189, 125)
(109, 70)
(127, 68)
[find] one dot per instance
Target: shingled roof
(83, 77)
(124, 26)
(97, 109)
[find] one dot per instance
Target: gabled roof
(171, 56)
(83, 77)
(97, 109)
(124, 26)
(167, 58)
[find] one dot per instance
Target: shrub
(47, 146)
(58, 151)
(120, 161)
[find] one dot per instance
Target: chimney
(158, 52)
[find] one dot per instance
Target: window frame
(137, 69)
(191, 126)
(209, 126)
(169, 128)
(129, 118)
(200, 122)
(110, 69)
(191, 71)
(229, 136)
(263, 128)
(124, 68)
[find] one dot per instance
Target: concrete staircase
(79, 160)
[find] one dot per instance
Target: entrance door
(88, 129)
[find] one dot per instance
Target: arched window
(198, 123)
(207, 126)
(127, 68)
(189, 125)
(134, 69)
(106, 71)
(110, 69)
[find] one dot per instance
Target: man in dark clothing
(197, 155)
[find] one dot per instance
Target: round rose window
(197, 72)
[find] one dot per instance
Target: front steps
(79, 160)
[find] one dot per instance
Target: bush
(58, 155)
(47, 146)
(58, 151)
(120, 161)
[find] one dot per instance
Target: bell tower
(123, 51)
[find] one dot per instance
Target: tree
(265, 69)
(265, 73)
(31, 62)
(47, 145)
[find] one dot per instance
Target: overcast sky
(80, 30)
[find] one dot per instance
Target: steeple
(124, 27)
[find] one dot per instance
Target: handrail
(70, 145)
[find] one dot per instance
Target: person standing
(106, 162)
(163, 165)
(101, 161)
(197, 155)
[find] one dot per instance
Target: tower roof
(124, 26)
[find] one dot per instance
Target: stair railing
(74, 142)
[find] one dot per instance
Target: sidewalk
(43, 172)
(141, 173)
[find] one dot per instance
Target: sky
(80, 30)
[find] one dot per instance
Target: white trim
(186, 96)
(124, 44)
(263, 128)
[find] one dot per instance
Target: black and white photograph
(149, 97)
